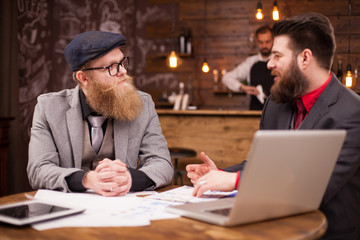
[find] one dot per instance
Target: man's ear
(81, 76)
(305, 58)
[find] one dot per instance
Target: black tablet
(27, 212)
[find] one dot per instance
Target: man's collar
(310, 98)
(85, 108)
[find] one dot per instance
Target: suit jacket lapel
(322, 104)
(75, 127)
(121, 136)
(285, 116)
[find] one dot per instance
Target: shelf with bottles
(184, 48)
(226, 92)
(185, 41)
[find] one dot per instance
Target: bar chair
(176, 154)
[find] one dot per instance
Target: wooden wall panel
(326, 7)
(244, 9)
(159, 29)
(225, 38)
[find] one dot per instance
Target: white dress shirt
(233, 78)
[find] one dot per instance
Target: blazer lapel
(285, 116)
(322, 104)
(75, 127)
(121, 136)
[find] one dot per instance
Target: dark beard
(289, 86)
(122, 103)
(265, 52)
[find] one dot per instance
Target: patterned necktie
(300, 112)
(97, 134)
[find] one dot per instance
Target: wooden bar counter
(225, 135)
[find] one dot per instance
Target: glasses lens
(125, 63)
(113, 69)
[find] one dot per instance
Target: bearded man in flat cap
(102, 135)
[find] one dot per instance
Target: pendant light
(205, 67)
(259, 15)
(349, 79)
(173, 61)
(275, 12)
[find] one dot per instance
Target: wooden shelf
(164, 105)
(226, 92)
(165, 55)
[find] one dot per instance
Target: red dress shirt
(308, 100)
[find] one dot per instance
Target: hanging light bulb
(259, 15)
(205, 67)
(173, 60)
(349, 79)
(275, 13)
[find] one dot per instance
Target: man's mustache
(275, 73)
(126, 78)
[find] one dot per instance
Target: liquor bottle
(356, 73)
(223, 72)
(216, 79)
(339, 74)
(181, 88)
(188, 42)
(179, 97)
(190, 90)
(182, 41)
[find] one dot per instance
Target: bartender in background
(254, 70)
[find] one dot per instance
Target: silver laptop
(287, 173)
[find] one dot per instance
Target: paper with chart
(184, 195)
(128, 210)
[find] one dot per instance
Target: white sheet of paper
(127, 210)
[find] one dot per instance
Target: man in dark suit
(303, 51)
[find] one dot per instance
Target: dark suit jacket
(336, 108)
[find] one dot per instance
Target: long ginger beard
(119, 102)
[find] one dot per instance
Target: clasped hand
(207, 177)
(110, 178)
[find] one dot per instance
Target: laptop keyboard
(222, 211)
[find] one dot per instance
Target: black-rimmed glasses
(113, 68)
